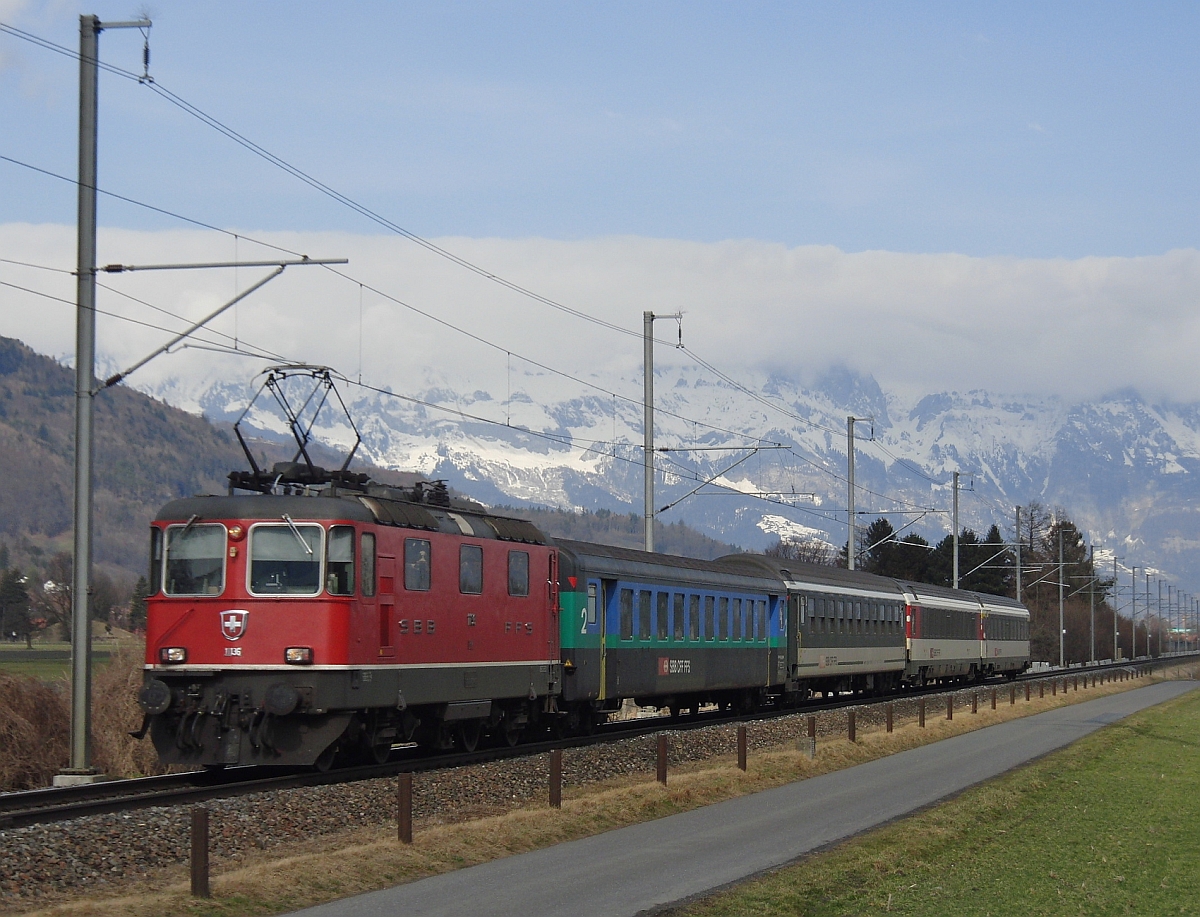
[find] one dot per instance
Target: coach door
(792, 620)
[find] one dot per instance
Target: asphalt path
(647, 866)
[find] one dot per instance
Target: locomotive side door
(386, 603)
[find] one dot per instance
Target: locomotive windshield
(195, 560)
(285, 559)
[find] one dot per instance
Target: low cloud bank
(917, 322)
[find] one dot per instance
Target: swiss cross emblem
(233, 624)
(664, 665)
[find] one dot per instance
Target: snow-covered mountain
(1127, 471)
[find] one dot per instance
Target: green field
(46, 661)
(1107, 826)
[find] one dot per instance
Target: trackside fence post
(890, 713)
(850, 724)
(1054, 688)
(974, 701)
(808, 745)
(993, 698)
(1026, 692)
(921, 713)
(1041, 689)
(662, 759)
(1012, 694)
(404, 808)
(949, 706)
(741, 748)
(556, 778)
(200, 853)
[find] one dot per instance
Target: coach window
(644, 614)
(762, 621)
(339, 561)
(723, 618)
(285, 559)
(417, 554)
(737, 620)
(662, 605)
(693, 617)
(677, 618)
(196, 559)
(470, 569)
(518, 573)
(710, 629)
(626, 614)
(368, 564)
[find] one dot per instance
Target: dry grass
(115, 712)
(34, 732)
(328, 868)
(35, 719)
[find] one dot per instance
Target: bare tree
(808, 552)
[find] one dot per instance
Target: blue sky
(944, 196)
(1033, 130)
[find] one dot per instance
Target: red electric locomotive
(269, 604)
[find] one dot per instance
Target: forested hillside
(146, 453)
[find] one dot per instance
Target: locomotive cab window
(195, 560)
(518, 573)
(417, 554)
(470, 569)
(156, 552)
(285, 559)
(339, 561)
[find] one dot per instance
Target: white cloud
(918, 322)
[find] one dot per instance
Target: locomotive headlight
(172, 654)
(236, 533)
(298, 655)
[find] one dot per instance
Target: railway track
(43, 806)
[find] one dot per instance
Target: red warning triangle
(572, 580)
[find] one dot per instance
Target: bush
(35, 723)
(114, 752)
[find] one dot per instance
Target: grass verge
(333, 867)
(1106, 826)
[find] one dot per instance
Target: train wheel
(468, 734)
(511, 732)
(325, 759)
(380, 752)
